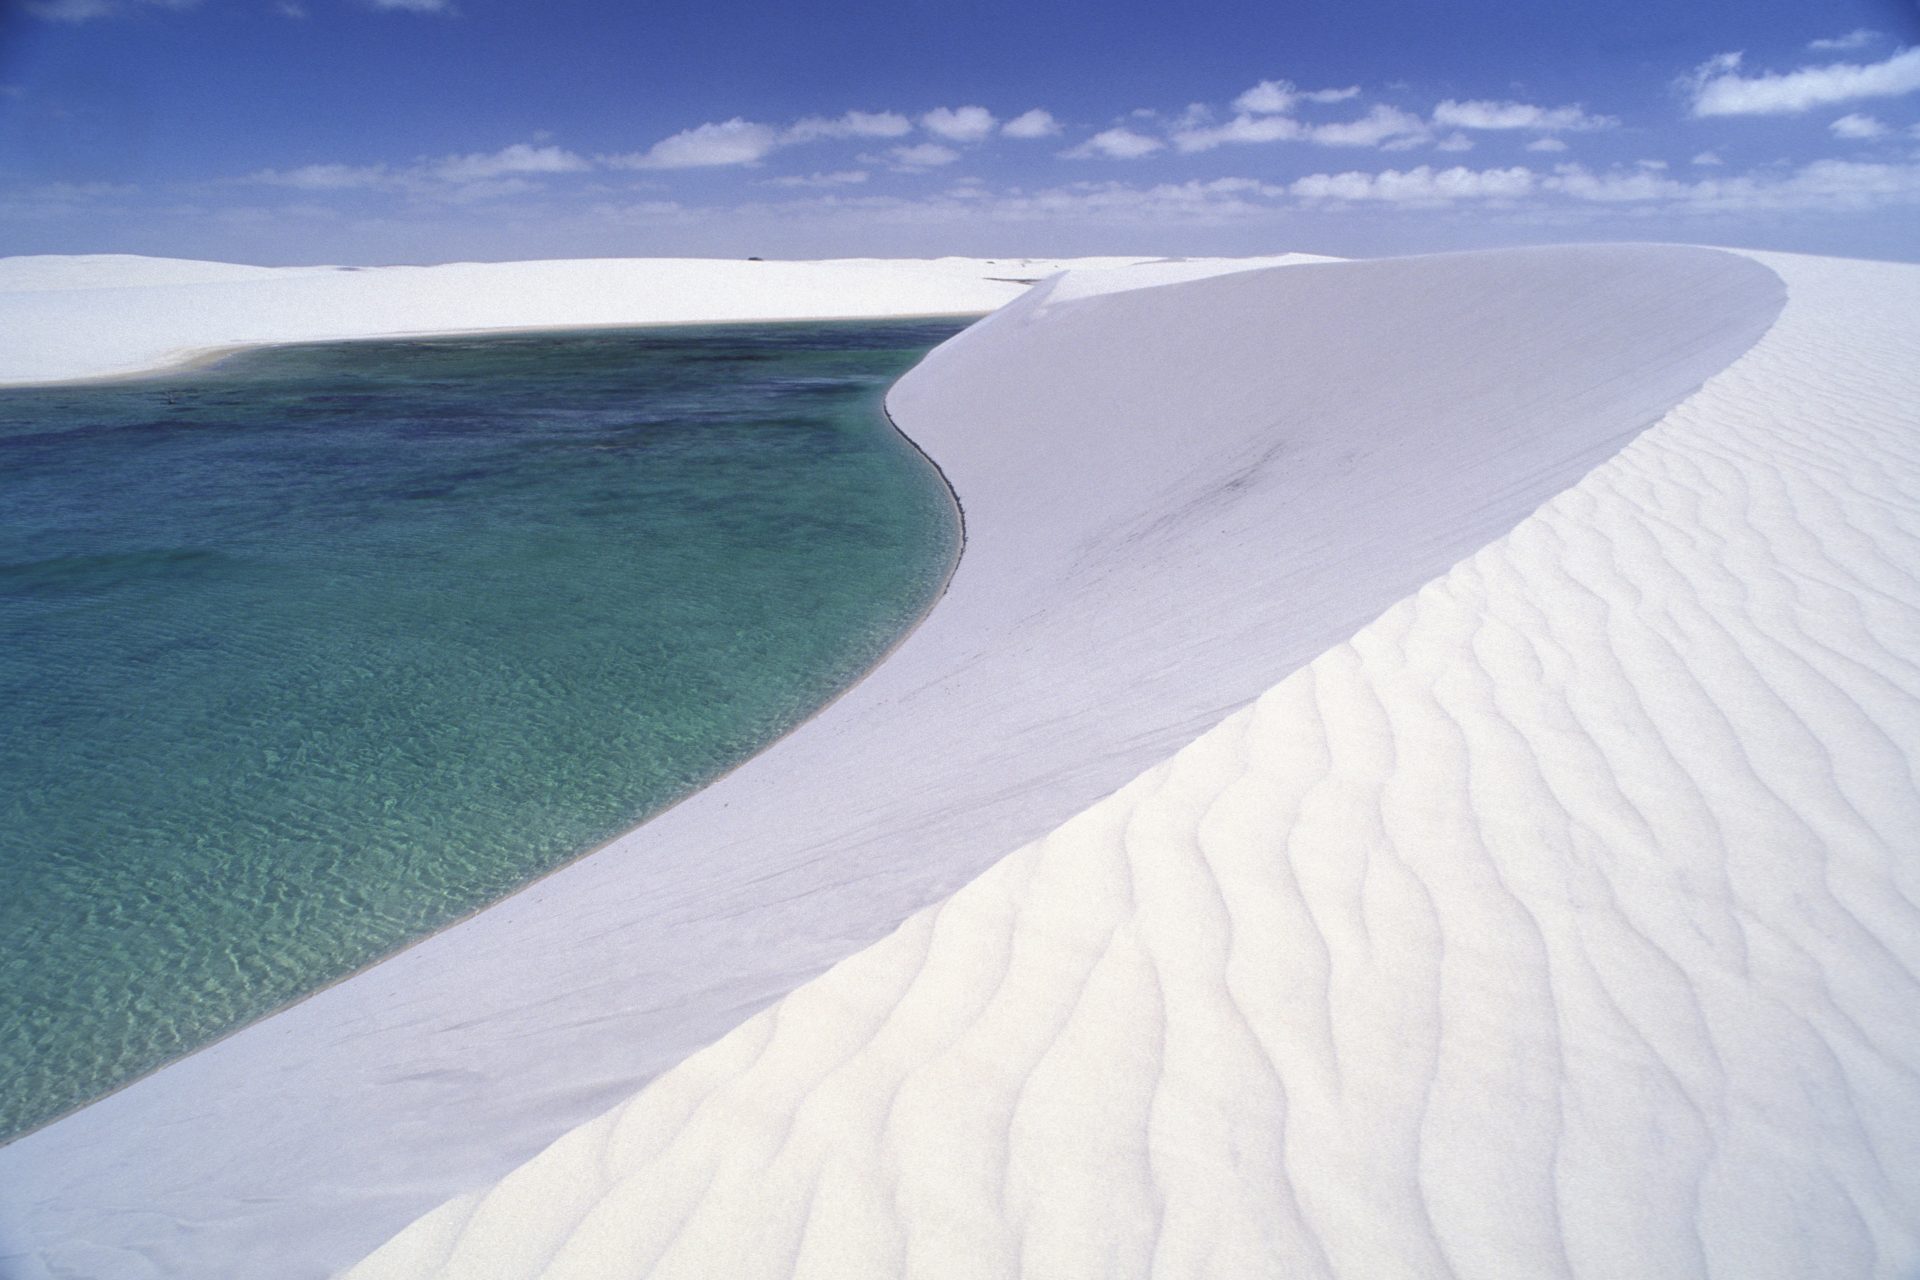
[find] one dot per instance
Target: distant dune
(109, 315)
(1451, 723)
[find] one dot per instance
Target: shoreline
(208, 357)
(1581, 872)
(959, 524)
(1116, 598)
(79, 319)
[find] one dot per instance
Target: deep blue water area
(310, 653)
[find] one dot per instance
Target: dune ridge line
(1562, 922)
(1175, 496)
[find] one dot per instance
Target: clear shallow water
(307, 655)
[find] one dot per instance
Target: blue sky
(285, 131)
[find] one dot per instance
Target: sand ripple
(1560, 923)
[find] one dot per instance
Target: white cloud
(926, 155)
(1859, 38)
(1517, 115)
(959, 124)
(1708, 159)
(1454, 142)
(1719, 90)
(1276, 97)
(1421, 186)
(1617, 187)
(1269, 97)
(509, 171)
(324, 177)
(840, 178)
(1033, 124)
(416, 6)
(1219, 200)
(1857, 126)
(1548, 143)
(854, 124)
(1824, 185)
(520, 158)
(734, 141)
(1382, 126)
(1837, 186)
(1116, 144)
(1242, 128)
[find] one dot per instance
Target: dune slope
(1565, 921)
(1175, 496)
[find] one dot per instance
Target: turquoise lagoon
(312, 652)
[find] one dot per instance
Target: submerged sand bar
(1175, 497)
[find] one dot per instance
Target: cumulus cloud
(1454, 142)
(1118, 143)
(1269, 97)
(1857, 126)
(959, 124)
(1616, 187)
(1242, 128)
(1276, 97)
(926, 155)
(1219, 201)
(1420, 186)
(1719, 89)
(1383, 126)
(520, 158)
(854, 124)
(1517, 115)
(742, 142)
(729, 142)
(1548, 143)
(1859, 38)
(1033, 124)
(1824, 185)
(1707, 159)
(1199, 202)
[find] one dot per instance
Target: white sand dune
(104, 315)
(1563, 922)
(1175, 497)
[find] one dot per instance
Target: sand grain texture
(1175, 497)
(1562, 922)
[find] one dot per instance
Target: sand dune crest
(1562, 922)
